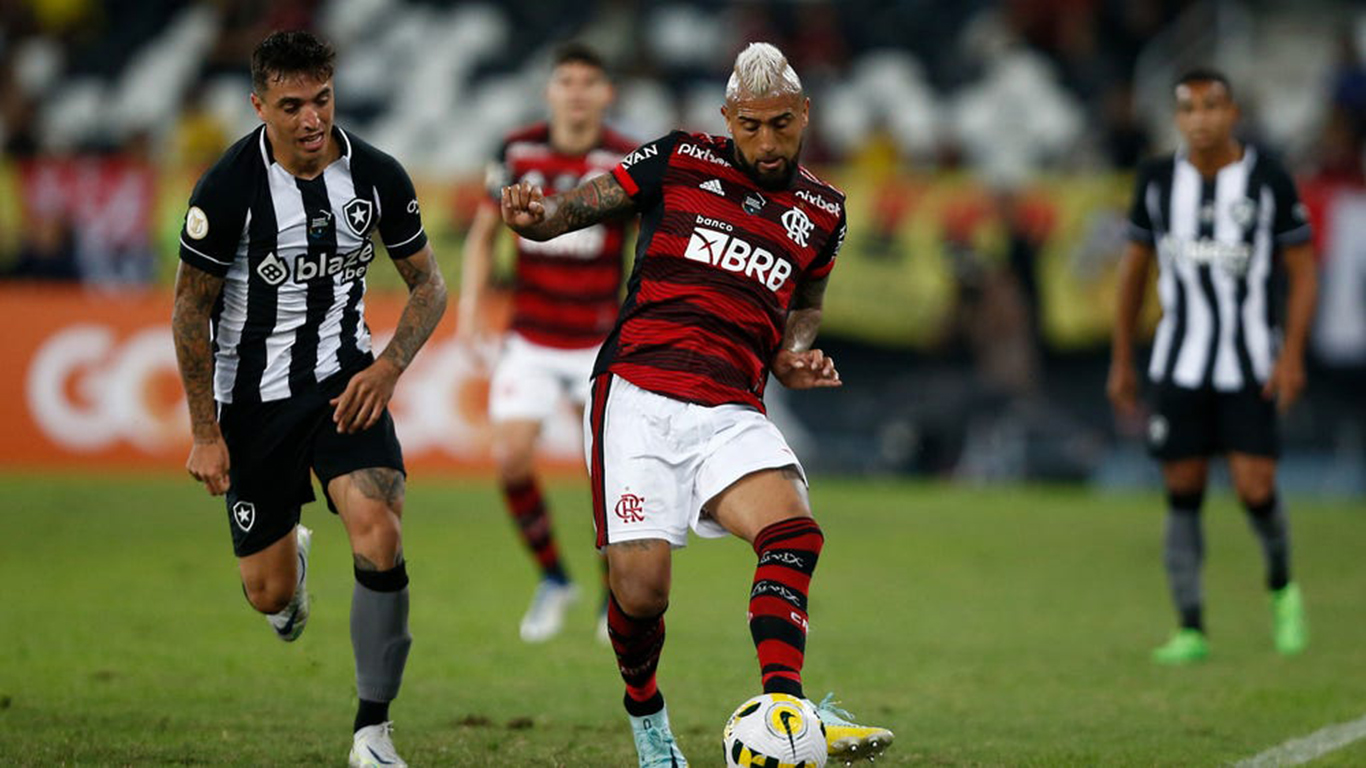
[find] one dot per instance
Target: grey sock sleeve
(380, 639)
(1183, 555)
(1269, 522)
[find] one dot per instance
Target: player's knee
(377, 534)
(1256, 494)
(641, 598)
(514, 467)
(268, 596)
(1255, 487)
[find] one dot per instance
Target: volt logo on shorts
(733, 254)
(631, 508)
(244, 514)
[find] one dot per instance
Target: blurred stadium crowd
(107, 108)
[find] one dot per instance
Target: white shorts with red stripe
(530, 380)
(654, 462)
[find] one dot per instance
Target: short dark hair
(579, 53)
(296, 52)
(1204, 75)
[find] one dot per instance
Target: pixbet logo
(818, 201)
(631, 508)
(733, 254)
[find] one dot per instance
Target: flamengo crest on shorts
(629, 508)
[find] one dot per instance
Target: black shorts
(1190, 423)
(273, 445)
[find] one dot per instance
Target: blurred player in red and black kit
(565, 301)
(737, 242)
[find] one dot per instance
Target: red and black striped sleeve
(825, 260)
(641, 173)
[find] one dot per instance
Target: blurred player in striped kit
(1220, 218)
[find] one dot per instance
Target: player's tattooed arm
(804, 317)
(367, 394)
(796, 364)
(196, 291)
(426, 304)
(536, 217)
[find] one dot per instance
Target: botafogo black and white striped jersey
(294, 253)
(1217, 241)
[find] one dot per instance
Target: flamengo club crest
(358, 214)
(798, 226)
(631, 508)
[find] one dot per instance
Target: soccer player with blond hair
(736, 244)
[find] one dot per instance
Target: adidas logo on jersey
(719, 249)
(713, 186)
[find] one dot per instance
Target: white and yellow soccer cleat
(846, 741)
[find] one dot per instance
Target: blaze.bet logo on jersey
(349, 266)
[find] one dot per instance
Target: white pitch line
(1311, 747)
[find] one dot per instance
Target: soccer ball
(775, 730)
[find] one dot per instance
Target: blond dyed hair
(761, 71)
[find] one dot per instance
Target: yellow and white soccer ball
(774, 730)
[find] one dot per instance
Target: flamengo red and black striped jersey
(568, 288)
(718, 261)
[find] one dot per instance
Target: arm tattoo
(380, 484)
(804, 318)
(426, 304)
(196, 291)
(585, 205)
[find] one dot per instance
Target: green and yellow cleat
(1291, 633)
(1187, 646)
(846, 741)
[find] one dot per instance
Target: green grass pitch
(1004, 626)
